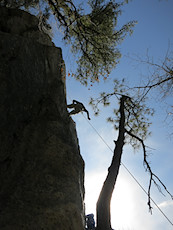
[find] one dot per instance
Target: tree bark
(103, 203)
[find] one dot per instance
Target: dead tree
(133, 128)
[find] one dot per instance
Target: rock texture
(41, 169)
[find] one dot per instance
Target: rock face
(41, 169)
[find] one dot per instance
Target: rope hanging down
(129, 172)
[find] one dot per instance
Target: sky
(129, 210)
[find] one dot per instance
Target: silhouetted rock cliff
(41, 169)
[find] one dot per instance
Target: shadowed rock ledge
(41, 169)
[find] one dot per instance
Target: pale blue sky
(154, 32)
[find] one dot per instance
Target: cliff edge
(41, 169)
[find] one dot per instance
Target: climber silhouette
(78, 107)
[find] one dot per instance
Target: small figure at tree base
(90, 223)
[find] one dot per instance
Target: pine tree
(93, 37)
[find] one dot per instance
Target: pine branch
(156, 84)
(153, 178)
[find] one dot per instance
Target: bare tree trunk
(103, 203)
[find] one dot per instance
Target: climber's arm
(87, 114)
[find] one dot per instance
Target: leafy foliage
(136, 112)
(94, 36)
(161, 75)
(159, 80)
(19, 3)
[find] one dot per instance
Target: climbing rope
(129, 172)
(127, 169)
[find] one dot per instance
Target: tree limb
(153, 178)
